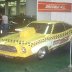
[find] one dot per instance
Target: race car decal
(51, 37)
(60, 41)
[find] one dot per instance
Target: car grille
(8, 48)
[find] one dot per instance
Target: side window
(67, 26)
(58, 28)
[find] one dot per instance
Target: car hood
(27, 35)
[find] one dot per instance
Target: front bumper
(14, 51)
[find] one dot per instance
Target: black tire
(42, 53)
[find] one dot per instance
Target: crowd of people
(4, 23)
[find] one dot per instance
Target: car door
(60, 34)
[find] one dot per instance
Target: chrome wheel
(1, 31)
(41, 53)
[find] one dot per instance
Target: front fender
(36, 48)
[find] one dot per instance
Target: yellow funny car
(38, 37)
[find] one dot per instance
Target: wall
(31, 8)
(60, 16)
(68, 1)
(44, 15)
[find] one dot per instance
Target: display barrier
(69, 68)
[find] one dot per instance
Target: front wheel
(1, 31)
(42, 53)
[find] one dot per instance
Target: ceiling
(8, 0)
(12, 0)
(1, 1)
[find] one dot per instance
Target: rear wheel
(42, 53)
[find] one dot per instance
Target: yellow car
(38, 37)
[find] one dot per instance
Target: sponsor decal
(54, 7)
(60, 41)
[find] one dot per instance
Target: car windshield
(42, 28)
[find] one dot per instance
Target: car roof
(47, 22)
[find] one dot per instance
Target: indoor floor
(54, 62)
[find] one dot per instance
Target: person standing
(0, 19)
(0, 24)
(5, 23)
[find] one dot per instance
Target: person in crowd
(0, 23)
(5, 23)
(0, 20)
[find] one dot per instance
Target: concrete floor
(54, 62)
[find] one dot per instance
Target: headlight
(24, 49)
